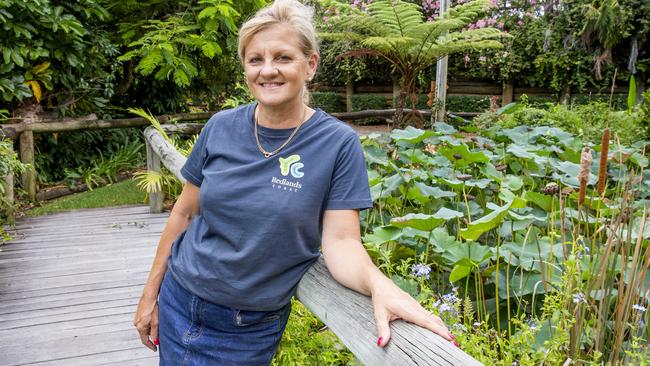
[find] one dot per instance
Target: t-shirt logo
(291, 165)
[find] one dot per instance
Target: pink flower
(500, 25)
(480, 23)
(467, 59)
(482, 58)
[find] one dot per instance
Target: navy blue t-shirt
(260, 221)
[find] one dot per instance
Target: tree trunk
(640, 87)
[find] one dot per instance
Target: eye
(254, 60)
(283, 58)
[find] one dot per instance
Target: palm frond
(149, 181)
(152, 119)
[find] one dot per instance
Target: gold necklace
(268, 154)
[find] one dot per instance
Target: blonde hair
(291, 12)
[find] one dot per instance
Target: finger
(382, 319)
(153, 333)
(144, 338)
(430, 321)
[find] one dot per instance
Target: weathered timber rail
(347, 313)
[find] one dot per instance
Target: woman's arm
(350, 265)
(146, 316)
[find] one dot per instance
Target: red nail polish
(456, 344)
(156, 342)
(451, 336)
(379, 341)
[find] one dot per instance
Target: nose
(268, 68)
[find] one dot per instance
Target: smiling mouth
(271, 85)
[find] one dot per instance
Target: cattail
(602, 169)
(583, 176)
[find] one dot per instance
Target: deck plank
(69, 285)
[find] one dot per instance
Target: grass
(117, 194)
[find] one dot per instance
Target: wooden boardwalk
(69, 285)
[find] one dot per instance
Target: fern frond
(400, 17)
(152, 119)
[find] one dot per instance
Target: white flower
(579, 298)
(639, 307)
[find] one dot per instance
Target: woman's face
(276, 69)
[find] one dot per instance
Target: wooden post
(349, 90)
(441, 76)
(153, 165)
(29, 116)
(9, 194)
(28, 177)
(508, 94)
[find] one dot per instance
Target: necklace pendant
(267, 154)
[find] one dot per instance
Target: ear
(313, 65)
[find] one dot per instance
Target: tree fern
(397, 31)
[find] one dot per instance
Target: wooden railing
(347, 313)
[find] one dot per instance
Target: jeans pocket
(247, 318)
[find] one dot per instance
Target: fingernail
(156, 342)
(456, 344)
(451, 336)
(379, 341)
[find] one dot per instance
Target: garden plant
(525, 229)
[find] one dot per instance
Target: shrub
(362, 102)
(328, 101)
(619, 102)
(461, 103)
(585, 121)
(77, 150)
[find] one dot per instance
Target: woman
(267, 184)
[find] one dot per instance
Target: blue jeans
(193, 331)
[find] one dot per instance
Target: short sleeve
(192, 170)
(349, 187)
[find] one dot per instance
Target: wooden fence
(507, 92)
(347, 313)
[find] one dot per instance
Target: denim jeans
(193, 331)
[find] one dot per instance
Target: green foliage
(105, 168)
(586, 121)
(362, 102)
(58, 156)
(169, 49)
(328, 101)
(563, 45)
(459, 103)
(306, 341)
(396, 31)
(497, 215)
(9, 164)
(46, 47)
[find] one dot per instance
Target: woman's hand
(349, 263)
(146, 321)
(391, 303)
